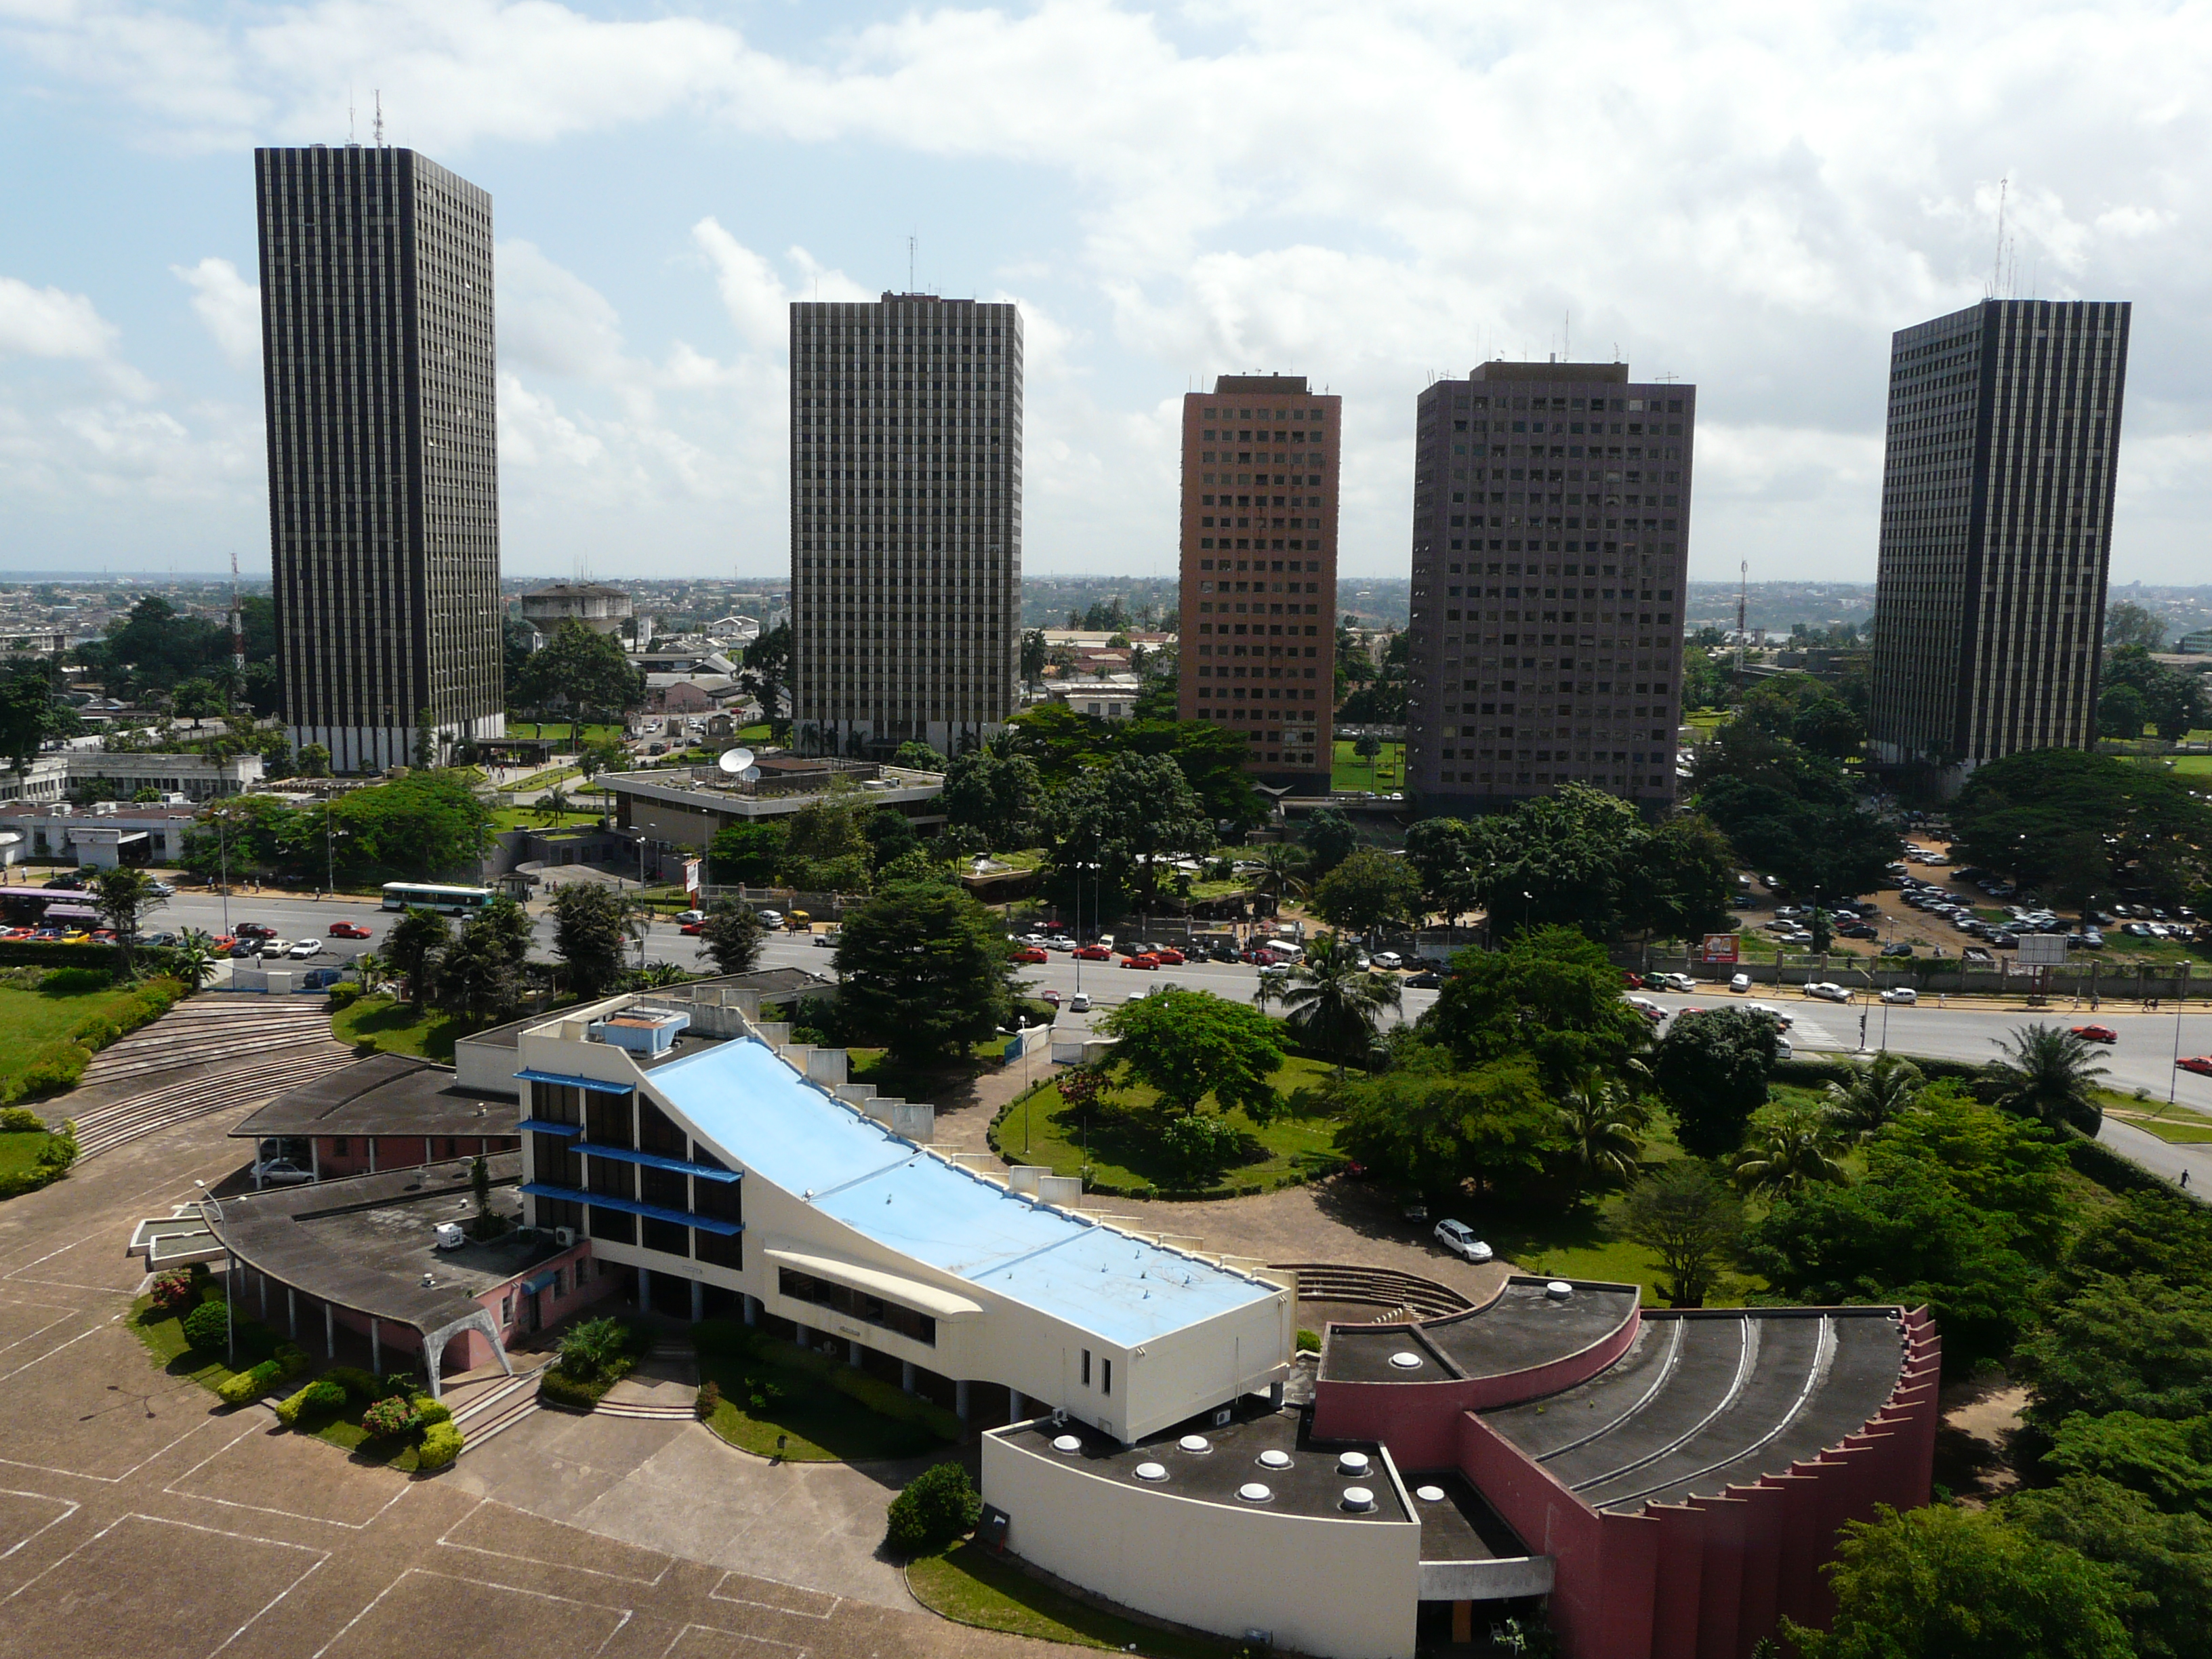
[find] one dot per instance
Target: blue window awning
(540, 1126)
(538, 1282)
(630, 1207)
(655, 1161)
(599, 1085)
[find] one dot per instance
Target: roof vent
(1273, 1459)
(1430, 1494)
(1358, 1499)
(1067, 1442)
(1252, 1492)
(1559, 1290)
(1351, 1463)
(1405, 1360)
(1151, 1470)
(1196, 1444)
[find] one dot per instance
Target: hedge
(2115, 1170)
(60, 1063)
(889, 1400)
(441, 1445)
(566, 1394)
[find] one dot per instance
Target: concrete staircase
(210, 1054)
(498, 1410)
(1403, 1295)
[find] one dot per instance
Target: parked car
(1459, 1238)
(1143, 959)
(1389, 961)
(1899, 949)
(348, 930)
(1427, 980)
(2200, 1064)
(1079, 1003)
(279, 1172)
(1032, 953)
(1782, 1048)
(1828, 991)
(1634, 981)
(1053, 997)
(245, 949)
(254, 930)
(1739, 983)
(1901, 995)
(1060, 942)
(272, 948)
(304, 949)
(2096, 1034)
(1093, 953)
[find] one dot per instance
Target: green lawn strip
(39, 1021)
(815, 1422)
(558, 731)
(394, 1027)
(970, 1586)
(345, 1432)
(20, 1150)
(529, 817)
(1123, 1150)
(2179, 1126)
(1351, 771)
(164, 1340)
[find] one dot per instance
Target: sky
(1748, 196)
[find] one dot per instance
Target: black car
(1428, 980)
(253, 930)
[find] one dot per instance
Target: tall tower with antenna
(237, 622)
(1742, 606)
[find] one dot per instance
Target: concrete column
(852, 1352)
(960, 1399)
(804, 1337)
(1275, 1395)
(372, 1154)
(1017, 1407)
(752, 1308)
(292, 1310)
(698, 1301)
(644, 1289)
(329, 1332)
(906, 1375)
(376, 1345)
(426, 1149)
(315, 1158)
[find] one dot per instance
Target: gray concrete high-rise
(906, 522)
(1996, 532)
(1551, 552)
(378, 366)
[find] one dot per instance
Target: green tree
(197, 699)
(1328, 838)
(414, 944)
(479, 977)
(1789, 1145)
(592, 924)
(733, 933)
(1872, 1095)
(890, 834)
(746, 853)
(1334, 1005)
(1796, 817)
(2121, 712)
(994, 795)
(125, 897)
(1435, 1128)
(1604, 1125)
(315, 761)
(1442, 851)
(2175, 701)
(2048, 1073)
(1690, 1221)
(1953, 1583)
(1677, 879)
(765, 672)
(2167, 1459)
(1186, 1045)
(1552, 994)
(584, 672)
(1368, 889)
(937, 1506)
(2137, 1344)
(2163, 1561)
(30, 714)
(1033, 656)
(1121, 820)
(927, 972)
(920, 757)
(2127, 624)
(825, 848)
(1198, 1148)
(1557, 860)
(1712, 1068)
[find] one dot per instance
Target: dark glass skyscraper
(377, 358)
(1550, 550)
(1996, 530)
(906, 522)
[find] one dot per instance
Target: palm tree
(2050, 1074)
(1603, 1123)
(374, 971)
(1875, 1095)
(1789, 1147)
(194, 959)
(1335, 1006)
(552, 804)
(1282, 869)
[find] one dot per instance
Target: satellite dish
(734, 761)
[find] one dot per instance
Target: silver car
(1459, 1238)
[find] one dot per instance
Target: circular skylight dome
(1271, 1459)
(1196, 1443)
(1559, 1290)
(1252, 1492)
(1067, 1442)
(1351, 1463)
(1358, 1499)
(1151, 1470)
(1430, 1494)
(1405, 1360)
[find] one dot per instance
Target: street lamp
(2173, 1078)
(229, 1275)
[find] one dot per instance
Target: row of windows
(863, 1305)
(1601, 405)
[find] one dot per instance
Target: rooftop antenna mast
(909, 264)
(379, 128)
(237, 624)
(1996, 271)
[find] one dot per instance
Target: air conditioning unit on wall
(564, 1237)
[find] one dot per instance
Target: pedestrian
(1942, 998)
(2185, 1180)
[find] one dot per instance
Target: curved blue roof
(764, 1117)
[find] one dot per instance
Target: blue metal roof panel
(541, 1126)
(655, 1160)
(762, 1115)
(600, 1084)
(631, 1206)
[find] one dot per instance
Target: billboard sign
(1720, 947)
(2042, 949)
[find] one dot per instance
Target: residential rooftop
(384, 1095)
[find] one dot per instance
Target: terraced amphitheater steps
(207, 1028)
(1406, 1295)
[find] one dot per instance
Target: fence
(2125, 982)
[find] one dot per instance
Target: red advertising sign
(1718, 947)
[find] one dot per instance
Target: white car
(279, 1172)
(1782, 1048)
(1670, 982)
(691, 915)
(1079, 1003)
(1828, 991)
(1772, 1012)
(304, 949)
(1459, 1238)
(771, 918)
(1060, 942)
(1739, 983)
(272, 948)
(1901, 993)
(1389, 959)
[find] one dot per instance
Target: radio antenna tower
(1743, 591)
(379, 128)
(1996, 270)
(237, 624)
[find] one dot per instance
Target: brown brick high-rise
(1260, 457)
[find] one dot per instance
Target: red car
(1632, 981)
(1170, 957)
(1053, 997)
(1032, 953)
(1142, 959)
(1093, 953)
(2200, 1064)
(2096, 1034)
(348, 930)
(692, 927)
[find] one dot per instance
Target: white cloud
(229, 307)
(45, 322)
(754, 297)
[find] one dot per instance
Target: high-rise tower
(1551, 551)
(1259, 570)
(906, 522)
(1996, 530)
(377, 361)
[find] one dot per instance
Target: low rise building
(62, 773)
(387, 1112)
(688, 806)
(602, 609)
(1108, 696)
(98, 836)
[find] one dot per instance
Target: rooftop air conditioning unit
(1221, 1417)
(564, 1237)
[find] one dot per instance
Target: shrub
(289, 1408)
(290, 1360)
(565, 1393)
(325, 1394)
(175, 1292)
(249, 1386)
(707, 1400)
(75, 982)
(937, 1506)
(441, 1445)
(363, 1387)
(344, 994)
(598, 1351)
(208, 1326)
(391, 1415)
(1309, 1341)
(20, 1119)
(429, 1413)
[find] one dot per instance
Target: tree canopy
(926, 971)
(2083, 825)
(1791, 812)
(1366, 891)
(1429, 1125)
(997, 796)
(1552, 993)
(1712, 1067)
(1186, 1045)
(1118, 821)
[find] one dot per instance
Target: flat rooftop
(1520, 1327)
(364, 1242)
(385, 1095)
(1309, 1484)
(1705, 1398)
(770, 1122)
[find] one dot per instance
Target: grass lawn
(761, 734)
(548, 778)
(1385, 773)
(558, 731)
(396, 1029)
(969, 1585)
(20, 1150)
(1124, 1151)
(33, 1019)
(2179, 1126)
(814, 1422)
(164, 1340)
(529, 817)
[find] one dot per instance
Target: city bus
(427, 896)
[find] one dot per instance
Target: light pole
(2173, 1078)
(229, 1274)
